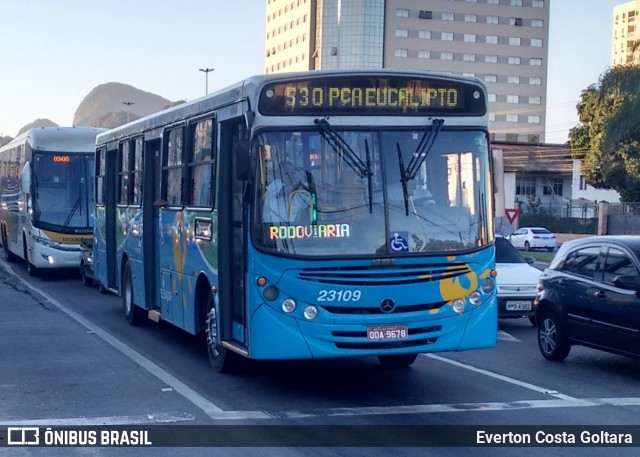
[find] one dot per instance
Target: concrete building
(503, 42)
(625, 33)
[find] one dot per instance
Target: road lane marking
(209, 408)
(146, 419)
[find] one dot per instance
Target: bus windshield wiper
(73, 211)
(342, 148)
(419, 156)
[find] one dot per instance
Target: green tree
(608, 136)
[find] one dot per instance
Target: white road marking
(148, 419)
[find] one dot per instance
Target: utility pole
(206, 72)
(128, 105)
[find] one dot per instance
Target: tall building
(503, 42)
(625, 33)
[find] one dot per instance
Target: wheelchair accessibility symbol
(398, 242)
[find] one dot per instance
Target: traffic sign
(511, 214)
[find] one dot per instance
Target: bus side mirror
(242, 159)
(26, 179)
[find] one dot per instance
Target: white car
(517, 282)
(529, 238)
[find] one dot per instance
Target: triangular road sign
(511, 214)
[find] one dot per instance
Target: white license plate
(518, 305)
(386, 333)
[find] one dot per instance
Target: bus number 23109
(339, 295)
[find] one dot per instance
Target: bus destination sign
(361, 95)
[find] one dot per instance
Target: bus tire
(8, 255)
(132, 311)
(222, 360)
(86, 279)
(31, 268)
(397, 361)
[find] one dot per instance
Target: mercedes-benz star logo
(387, 305)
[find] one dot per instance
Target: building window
(402, 33)
(533, 119)
(492, 117)
(469, 38)
(446, 56)
(583, 182)
(553, 187)
(535, 62)
(536, 42)
(401, 53)
(512, 137)
(537, 23)
(516, 2)
(513, 79)
(425, 15)
(469, 57)
(538, 3)
(493, 2)
(517, 21)
(447, 16)
(491, 97)
(514, 41)
(512, 118)
(525, 186)
(446, 36)
(535, 100)
(535, 81)
(533, 138)
(424, 34)
(513, 98)
(400, 12)
(470, 18)
(514, 60)
(424, 54)
(491, 39)
(492, 19)
(491, 78)
(491, 59)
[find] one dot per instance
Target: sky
(53, 53)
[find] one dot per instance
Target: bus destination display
(372, 96)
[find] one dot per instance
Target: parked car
(590, 295)
(529, 238)
(517, 281)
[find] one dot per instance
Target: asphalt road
(69, 358)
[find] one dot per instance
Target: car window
(506, 253)
(582, 262)
(618, 263)
(541, 231)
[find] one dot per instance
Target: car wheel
(222, 359)
(527, 246)
(132, 311)
(552, 338)
(397, 361)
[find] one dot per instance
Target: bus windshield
(373, 193)
(63, 195)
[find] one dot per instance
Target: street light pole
(128, 105)
(206, 72)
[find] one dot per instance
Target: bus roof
(67, 139)
(250, 88)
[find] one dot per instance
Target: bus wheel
(86, 279)
(8, 255)
(221, 359)
(133, 313)
(397, 361)
(31, 268)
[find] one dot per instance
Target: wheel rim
(548, 336)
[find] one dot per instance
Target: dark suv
(589, 295)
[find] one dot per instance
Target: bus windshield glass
(372, 193)
(63, 195)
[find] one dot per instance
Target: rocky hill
(37, 124)
(112, 104)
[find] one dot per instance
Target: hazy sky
(53, 52)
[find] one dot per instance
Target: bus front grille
(383, 276)
(344, 310)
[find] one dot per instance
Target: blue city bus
(46, 196)
(306, 216)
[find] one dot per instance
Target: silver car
(529, 238)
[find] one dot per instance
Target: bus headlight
(458, 306)
(475, 298)
(270, 293)
(488, 285)
(288, 305)
(310, 312)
